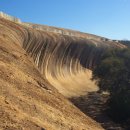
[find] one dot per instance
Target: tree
(113, 75)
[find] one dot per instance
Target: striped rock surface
(36, 69)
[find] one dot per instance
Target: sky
(107, 18)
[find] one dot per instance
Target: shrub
(113, 75)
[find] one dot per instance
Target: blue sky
(108, 18)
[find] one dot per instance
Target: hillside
(39, 69)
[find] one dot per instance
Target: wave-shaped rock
(29, 99)
(64, 60)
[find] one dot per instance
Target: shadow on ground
(94, 105)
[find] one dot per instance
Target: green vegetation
(113, 75)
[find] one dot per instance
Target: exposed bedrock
(65, 61)
(27, 100)
(32, 63)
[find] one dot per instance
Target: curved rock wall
(28, 100)
(65, 61)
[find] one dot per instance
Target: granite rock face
(36, 68)
(66, 59)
